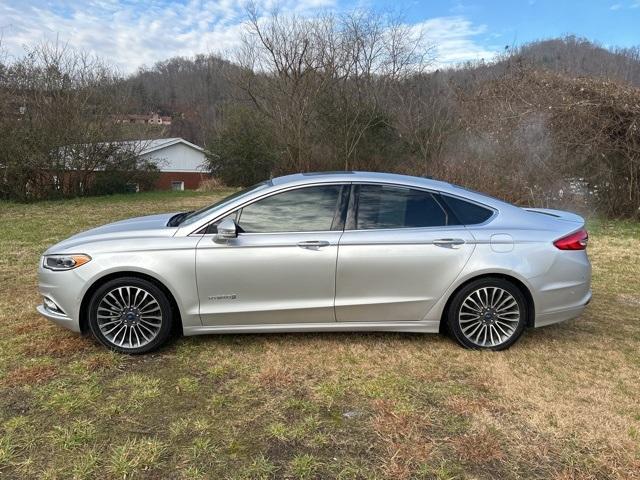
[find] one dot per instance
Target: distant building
(151, 119)
(182, 164)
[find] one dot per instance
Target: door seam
(335, 278)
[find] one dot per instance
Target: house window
(177, 185)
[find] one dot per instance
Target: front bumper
(65, 289)
(58, 318)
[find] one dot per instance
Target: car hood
(132, 228)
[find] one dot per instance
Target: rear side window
(382, 206)
(466, 213)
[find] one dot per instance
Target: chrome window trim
(277, 243)
(410, 229)
(276, 233)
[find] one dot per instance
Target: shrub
(244, 152)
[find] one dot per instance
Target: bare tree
(329, 74)
(426, 117)
(58, 108)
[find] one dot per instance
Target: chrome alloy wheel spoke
(129, 317)
(489, 316)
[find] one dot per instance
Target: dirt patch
(58, 346)
(30, 375)
(628, 299)
(275, 377)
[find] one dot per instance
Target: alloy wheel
(129, 317)
(489, 316)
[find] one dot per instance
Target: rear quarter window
(466, 213)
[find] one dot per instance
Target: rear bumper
(562, 315)
(58, 318)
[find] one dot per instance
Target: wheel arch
(84, 305)
(531, 307)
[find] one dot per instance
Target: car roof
(355, 176)
(392, 178)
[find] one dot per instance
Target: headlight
(64, 262)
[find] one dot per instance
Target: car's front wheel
(130, 315)
(488, 314)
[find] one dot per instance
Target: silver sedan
(344, 251)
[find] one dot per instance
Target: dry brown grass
(58, 345)
(405, 439)
(479, 448)
(30, 375)
(275, 377)
(211, 185)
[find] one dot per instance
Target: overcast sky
(130, 33)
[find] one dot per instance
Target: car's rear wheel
(130, 315)
(488, 314)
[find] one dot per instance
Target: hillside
(574, 56)
(194, 90)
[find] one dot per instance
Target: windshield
(193, 217)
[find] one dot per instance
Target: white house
(182, 164)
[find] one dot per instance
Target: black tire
(158, 334)
(491, 320)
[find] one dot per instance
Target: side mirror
(227, 230)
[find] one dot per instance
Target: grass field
(562, 403)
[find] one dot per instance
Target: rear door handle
(311, 244)
(449, 242)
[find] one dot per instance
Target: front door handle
(312, 244)
(449, 242)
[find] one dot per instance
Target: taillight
(575, 241)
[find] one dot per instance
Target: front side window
(382, 206)
(310, 209)
(193, 217)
